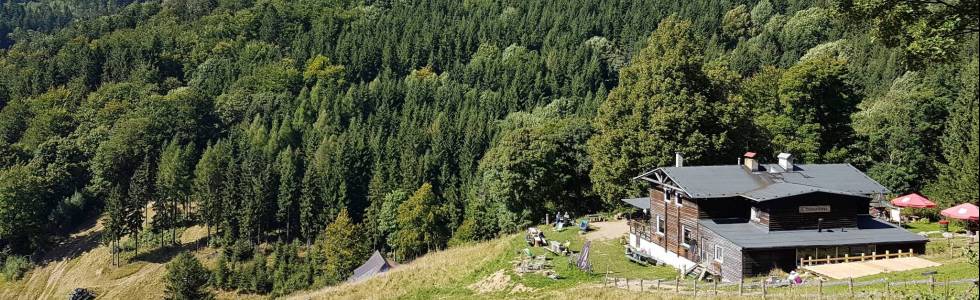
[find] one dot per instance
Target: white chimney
(786, 161)
(678, 160)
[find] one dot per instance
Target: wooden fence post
(946, 287)
(763, 288)
(950, 249)
(819, 289)
(932, 283)
(658, 284)
(627, 280)
(695, 287)
(677, 284)
(850, 286)
(641, 285)
(741, 282)
(716, 286)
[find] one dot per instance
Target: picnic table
(640, 257)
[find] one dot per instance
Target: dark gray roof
(643, 203)
(375, 265)
(785, 189)
(750, 235)
(771, 182)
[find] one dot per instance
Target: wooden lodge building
(749, 218)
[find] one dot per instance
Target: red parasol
(965, 211)
(913, 200)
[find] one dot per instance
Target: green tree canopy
(420, 225)
(340, 249)
(663, 104)
(928, 31)
(186, 279)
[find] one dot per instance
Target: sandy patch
(607, 230)
(871, 267)
(498, 281)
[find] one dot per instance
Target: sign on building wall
(814, 209)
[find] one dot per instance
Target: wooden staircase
(699, 270)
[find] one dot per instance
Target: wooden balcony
(641, 228)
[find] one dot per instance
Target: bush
(14, 267)
(186, 278)
(239, 251)
(222, 275)
(69, 212)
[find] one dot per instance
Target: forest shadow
(88, 237)
(167, 252)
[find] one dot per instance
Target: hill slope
(487, 270)
(81, 261)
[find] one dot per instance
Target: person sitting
(794, 278)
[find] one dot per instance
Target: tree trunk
(173, 224)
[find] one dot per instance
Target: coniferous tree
(209, 180)
(186, 279)
(173, 183)
(289, 191)
(958, 176)
(141, 192)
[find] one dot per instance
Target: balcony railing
(641, 228)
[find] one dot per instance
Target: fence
(809, 261)
(883, 288)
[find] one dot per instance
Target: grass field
(483, 270)
(459, 272)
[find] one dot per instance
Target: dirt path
(607, 230)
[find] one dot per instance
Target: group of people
(560, 220)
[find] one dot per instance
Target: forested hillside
(324, 129)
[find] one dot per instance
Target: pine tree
(141, 192)
(289, 191)
(186, 279)
(173, 185)
(209, 179)
(115, 223)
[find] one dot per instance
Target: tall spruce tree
(141, 191)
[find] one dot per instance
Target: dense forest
(323, 129)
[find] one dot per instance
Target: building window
(666, 195)
(687, 237)
(661, 225)
(719, 253)
(754, 214)
(677, 199)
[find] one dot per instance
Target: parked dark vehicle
(81, 294)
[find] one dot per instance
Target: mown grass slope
(473, 271)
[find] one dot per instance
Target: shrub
(186, 278)
(14, 267)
